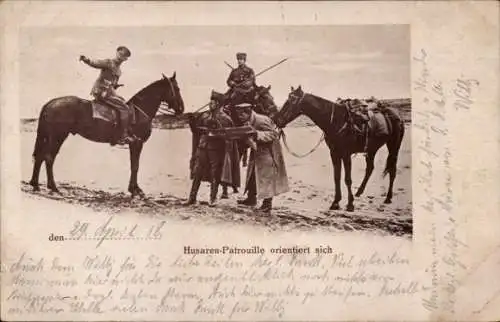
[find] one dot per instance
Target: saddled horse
(342, 139)
(70, 114)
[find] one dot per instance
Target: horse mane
(324, 100)
(148, 87)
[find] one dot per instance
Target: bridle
(297, 100)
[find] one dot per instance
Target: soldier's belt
(230, 133)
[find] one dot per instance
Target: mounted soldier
(105, 86)
(241, 82)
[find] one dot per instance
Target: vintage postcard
(250, 161)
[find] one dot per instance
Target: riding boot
(124, 124)
(251, 200)
(225, 194)
(194, 192)
(267, 205)
(214, 187)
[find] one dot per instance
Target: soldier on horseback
(105, 86)
(241, 82)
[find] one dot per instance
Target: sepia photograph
(249, 161)
(295, 127)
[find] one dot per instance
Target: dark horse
(335, 121)
(70, 114)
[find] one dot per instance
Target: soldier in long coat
(210, 152)
(266, 171)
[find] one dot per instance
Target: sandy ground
(96, 176)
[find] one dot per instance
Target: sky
(329, 61)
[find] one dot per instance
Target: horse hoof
(358, 194)
(335, 206)
(349, 208)
(387, 201)
(224, 196)
(55, 190)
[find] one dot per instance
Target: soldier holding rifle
(210, 152)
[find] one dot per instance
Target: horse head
(264, 101)
(172, 94)
(291, 109)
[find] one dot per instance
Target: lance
(228, 65)
(271, 67)
(258, 74)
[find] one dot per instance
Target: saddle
(378, 124)
(108, 113)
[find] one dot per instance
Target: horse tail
(394, 144)
(41, 134)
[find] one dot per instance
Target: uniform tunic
(239, 75)
(210, 152)
(104, 85)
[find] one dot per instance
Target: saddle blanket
(378, 124)
(107, 113)
(104, 112)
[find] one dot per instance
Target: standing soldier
(266, 172)
(210, 152)
(105, 86)
(241, 82)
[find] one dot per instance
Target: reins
(285, 143)
(321, 139)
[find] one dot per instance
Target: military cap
(241, 56)
(125, 50)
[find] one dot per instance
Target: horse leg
(391, 163)
(370, 159)
(36, 172)
(348, 181)
(54, 144)
(337, 167)
(244, 157)
(135, 154)
(38, 154)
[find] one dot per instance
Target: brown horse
(343, 140)
(70, 114)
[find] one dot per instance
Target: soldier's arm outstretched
(96, 63)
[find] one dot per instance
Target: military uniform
(104, 88)
(210, 153)
(241, 81)
(266, 172)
